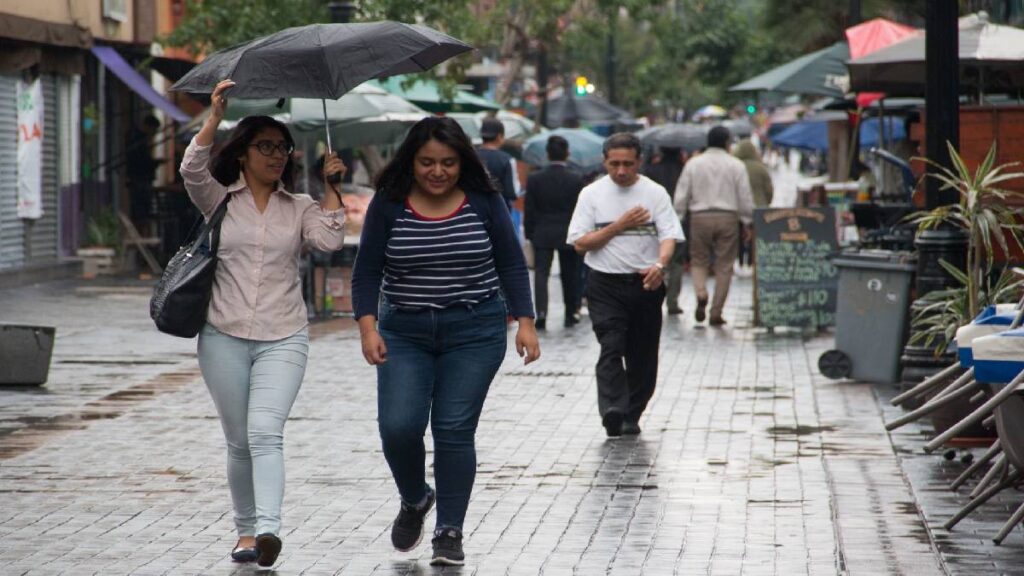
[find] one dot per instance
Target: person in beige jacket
(715, 190)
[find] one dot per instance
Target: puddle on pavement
(798, 430)
(26, 433)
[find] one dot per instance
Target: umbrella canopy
(363, 102)
(586, 149)
(427, 95)
(570, 110)
(813, 134)
(991, 59)
(739, 127)
(689, 137)
(321, 60)
(872, 36)
(366, 115)
(821, 73)
(517, 126)
(710, 111)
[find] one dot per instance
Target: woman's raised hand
(218, 101)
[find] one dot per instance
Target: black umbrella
(321, 60)
(689, 137)
(570, 111)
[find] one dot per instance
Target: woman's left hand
(527, 344)
(333, 165)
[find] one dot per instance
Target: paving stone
(749, 461)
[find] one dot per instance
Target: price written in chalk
(796, 281)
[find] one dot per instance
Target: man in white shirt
(715, 190)
(625, 225)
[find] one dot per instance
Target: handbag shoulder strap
(209, 233)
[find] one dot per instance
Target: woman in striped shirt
(439, 270)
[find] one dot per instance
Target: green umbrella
(427, 95)
(822, 73)
(366, 115)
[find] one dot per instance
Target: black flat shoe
(244, 554)
(268, 546)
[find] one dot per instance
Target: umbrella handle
(327, 128)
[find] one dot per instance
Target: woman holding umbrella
(438, 272)
(252, 351)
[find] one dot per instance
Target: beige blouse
(256, 290)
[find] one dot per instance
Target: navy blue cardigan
(508, 254)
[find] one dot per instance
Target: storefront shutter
(12, 237)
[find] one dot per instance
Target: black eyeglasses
(267, 148)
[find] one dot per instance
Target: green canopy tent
(821, 73)
(427, 95)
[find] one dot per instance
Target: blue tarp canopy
(813, 134)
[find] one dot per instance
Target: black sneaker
(447, 548)
(407, 530)
(612, 422)
(268, 547)
(630, 428)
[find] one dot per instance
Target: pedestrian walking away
(551, 195)
(438, 272)
(761, 189)
(625, 226)
(714, 190)
(499, 164)
(666, 172)
(252, 351)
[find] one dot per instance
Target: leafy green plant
(943, 311)
(103, 230)
(981, 213)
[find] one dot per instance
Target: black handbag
(182, 296)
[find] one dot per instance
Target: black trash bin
(872, 317)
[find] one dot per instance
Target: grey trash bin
(872, 307)
(25, 353)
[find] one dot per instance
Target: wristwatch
(659, 266)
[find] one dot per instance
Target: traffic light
(751, 109)
(581, 85)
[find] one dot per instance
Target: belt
(630, 278)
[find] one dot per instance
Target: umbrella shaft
(327, 128)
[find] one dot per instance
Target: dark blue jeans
(440, 364)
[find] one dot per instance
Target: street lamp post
(341, 12)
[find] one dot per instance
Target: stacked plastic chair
(998, 361)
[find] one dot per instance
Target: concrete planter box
(25, 353)
(97, 261)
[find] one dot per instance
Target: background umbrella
(822, 73)
(366, 115)
(585, 148)
(427, 95)
(321, 60)
(569, 111)
(710, 111)
(689, 137)
(991, 59)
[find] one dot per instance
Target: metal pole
(942, 94)
(610, 56)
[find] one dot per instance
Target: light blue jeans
(254, 384)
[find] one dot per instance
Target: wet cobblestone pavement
(749, 462)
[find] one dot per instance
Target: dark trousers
(569, 264)
(627, 322)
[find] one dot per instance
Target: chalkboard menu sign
(795, 280)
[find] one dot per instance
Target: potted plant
(987, 221)
(982, 214)
(102, 237)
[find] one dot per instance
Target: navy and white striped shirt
(439, 262)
